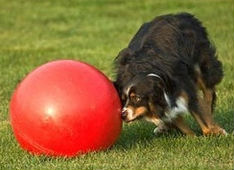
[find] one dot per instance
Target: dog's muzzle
(124, 113)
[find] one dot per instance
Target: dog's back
(183, 38)
(170, 32)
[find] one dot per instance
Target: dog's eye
(135, 98)
(138, 98)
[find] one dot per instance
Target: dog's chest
(180, 107)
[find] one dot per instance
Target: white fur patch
(128, 90)
(197, 68)
(130, 115)
(224, 132)
(167, 99)
(181, 108)
(161, 129)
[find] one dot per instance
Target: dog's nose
(124, 113)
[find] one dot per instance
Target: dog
(170, 68)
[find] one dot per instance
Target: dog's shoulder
(138, 39)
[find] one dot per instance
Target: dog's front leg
(161, 126)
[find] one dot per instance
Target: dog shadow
(140, 133)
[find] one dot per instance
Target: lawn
(35, 32)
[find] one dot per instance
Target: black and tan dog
(170, 68)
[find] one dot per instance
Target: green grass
(35, 32)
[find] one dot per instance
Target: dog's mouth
(131, 120)
(130, 113)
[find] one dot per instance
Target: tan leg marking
(183, 127)
(205, 120)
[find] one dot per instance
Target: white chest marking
(180, 108)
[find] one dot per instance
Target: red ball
(65, 108)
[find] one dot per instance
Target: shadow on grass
(141, 133)
(225, 118)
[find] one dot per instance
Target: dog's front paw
(160, 130)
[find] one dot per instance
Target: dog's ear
(157, 80)
(157, 95)
(124, 56)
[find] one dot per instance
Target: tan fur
(140, 110)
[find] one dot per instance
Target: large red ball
(65, 108)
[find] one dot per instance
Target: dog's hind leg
(206, 104)
(205, 119)
(209, 95)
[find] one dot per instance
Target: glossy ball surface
(65, 108)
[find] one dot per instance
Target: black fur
(171, 46)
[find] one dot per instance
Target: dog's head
(142, 96)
